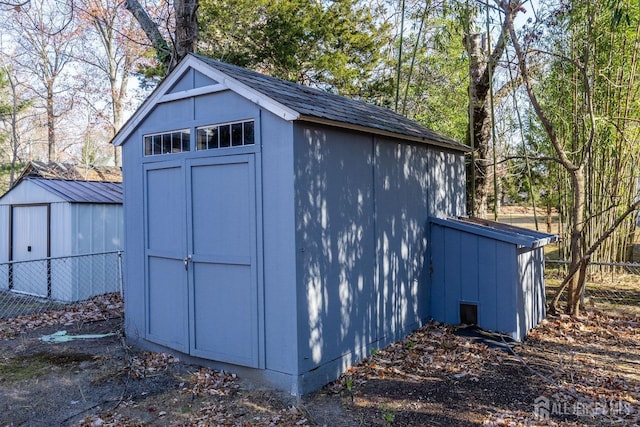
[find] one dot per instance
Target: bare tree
(573, 158)
(115, 60)
(43, 34)
(16, 104)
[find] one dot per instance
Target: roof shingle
(313, 103)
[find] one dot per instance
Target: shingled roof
(291, 101)
(314, 104)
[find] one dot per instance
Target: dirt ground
(581, 372)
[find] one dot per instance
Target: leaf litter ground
(582, 371)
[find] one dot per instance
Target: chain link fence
(36, 286)
(611, 287)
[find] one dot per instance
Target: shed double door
(201, 251)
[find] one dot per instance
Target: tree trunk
(14, 128)
(481, 122)
(577, 230)
(186, 30)
(51, 123)
(482, 65)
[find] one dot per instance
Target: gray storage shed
(275, 227)
(489, 274)
(46, 217)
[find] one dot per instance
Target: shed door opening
(468, 314)
(202, 283)
(30, 242)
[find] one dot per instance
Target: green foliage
(334, 45)
(592, 42)
(388, 415)
(5, 105)
(439, 90)
(434, 70)
(5, 173)
(348, 382)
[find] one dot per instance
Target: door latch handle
(186, 261)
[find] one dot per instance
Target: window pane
(213, 137)
(225, 135)
(157, 144)
(248, 133)
(201, 136)
(186, 140)
(166, 143)
(148, 148)
(236, 134)
(176, 142)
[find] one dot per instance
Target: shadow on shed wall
(362, 207)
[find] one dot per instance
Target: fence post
(583, 278)
(120, 279)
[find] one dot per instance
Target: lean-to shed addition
(488, 274)
(276, 227)
(57, 210)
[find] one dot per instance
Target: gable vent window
(225, 135)
(166, 143)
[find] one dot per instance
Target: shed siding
(61, 230)
(4, 242)
(223, 107)
(336, 246)
(401, 174)
(507, 287)
(170, 116)
(191, 79)
(279, 244)
(27, 193)
(503, 276)
(362, 210)
(468, 268)
(89, 229)
(532, 292)
(488, 272)
(132, 176)
(447, 184)
(96, 228)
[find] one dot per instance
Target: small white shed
(53, 220)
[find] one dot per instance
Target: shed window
(225, 135)
(166, 143)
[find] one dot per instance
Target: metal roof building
(82, 191)
(56, 218)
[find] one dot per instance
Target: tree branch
(538, 158)
(150, 28)
(524, 72)
(576, 267)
